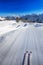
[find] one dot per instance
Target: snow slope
(9, 25)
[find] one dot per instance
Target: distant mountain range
(10, 18)
(33, 18)
(7, 18)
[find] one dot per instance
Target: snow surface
(13, 45)
(6, 26)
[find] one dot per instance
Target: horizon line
(20, 14)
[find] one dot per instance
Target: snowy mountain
(7, 18)
(34, 17)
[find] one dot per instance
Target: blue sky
(19, 7)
